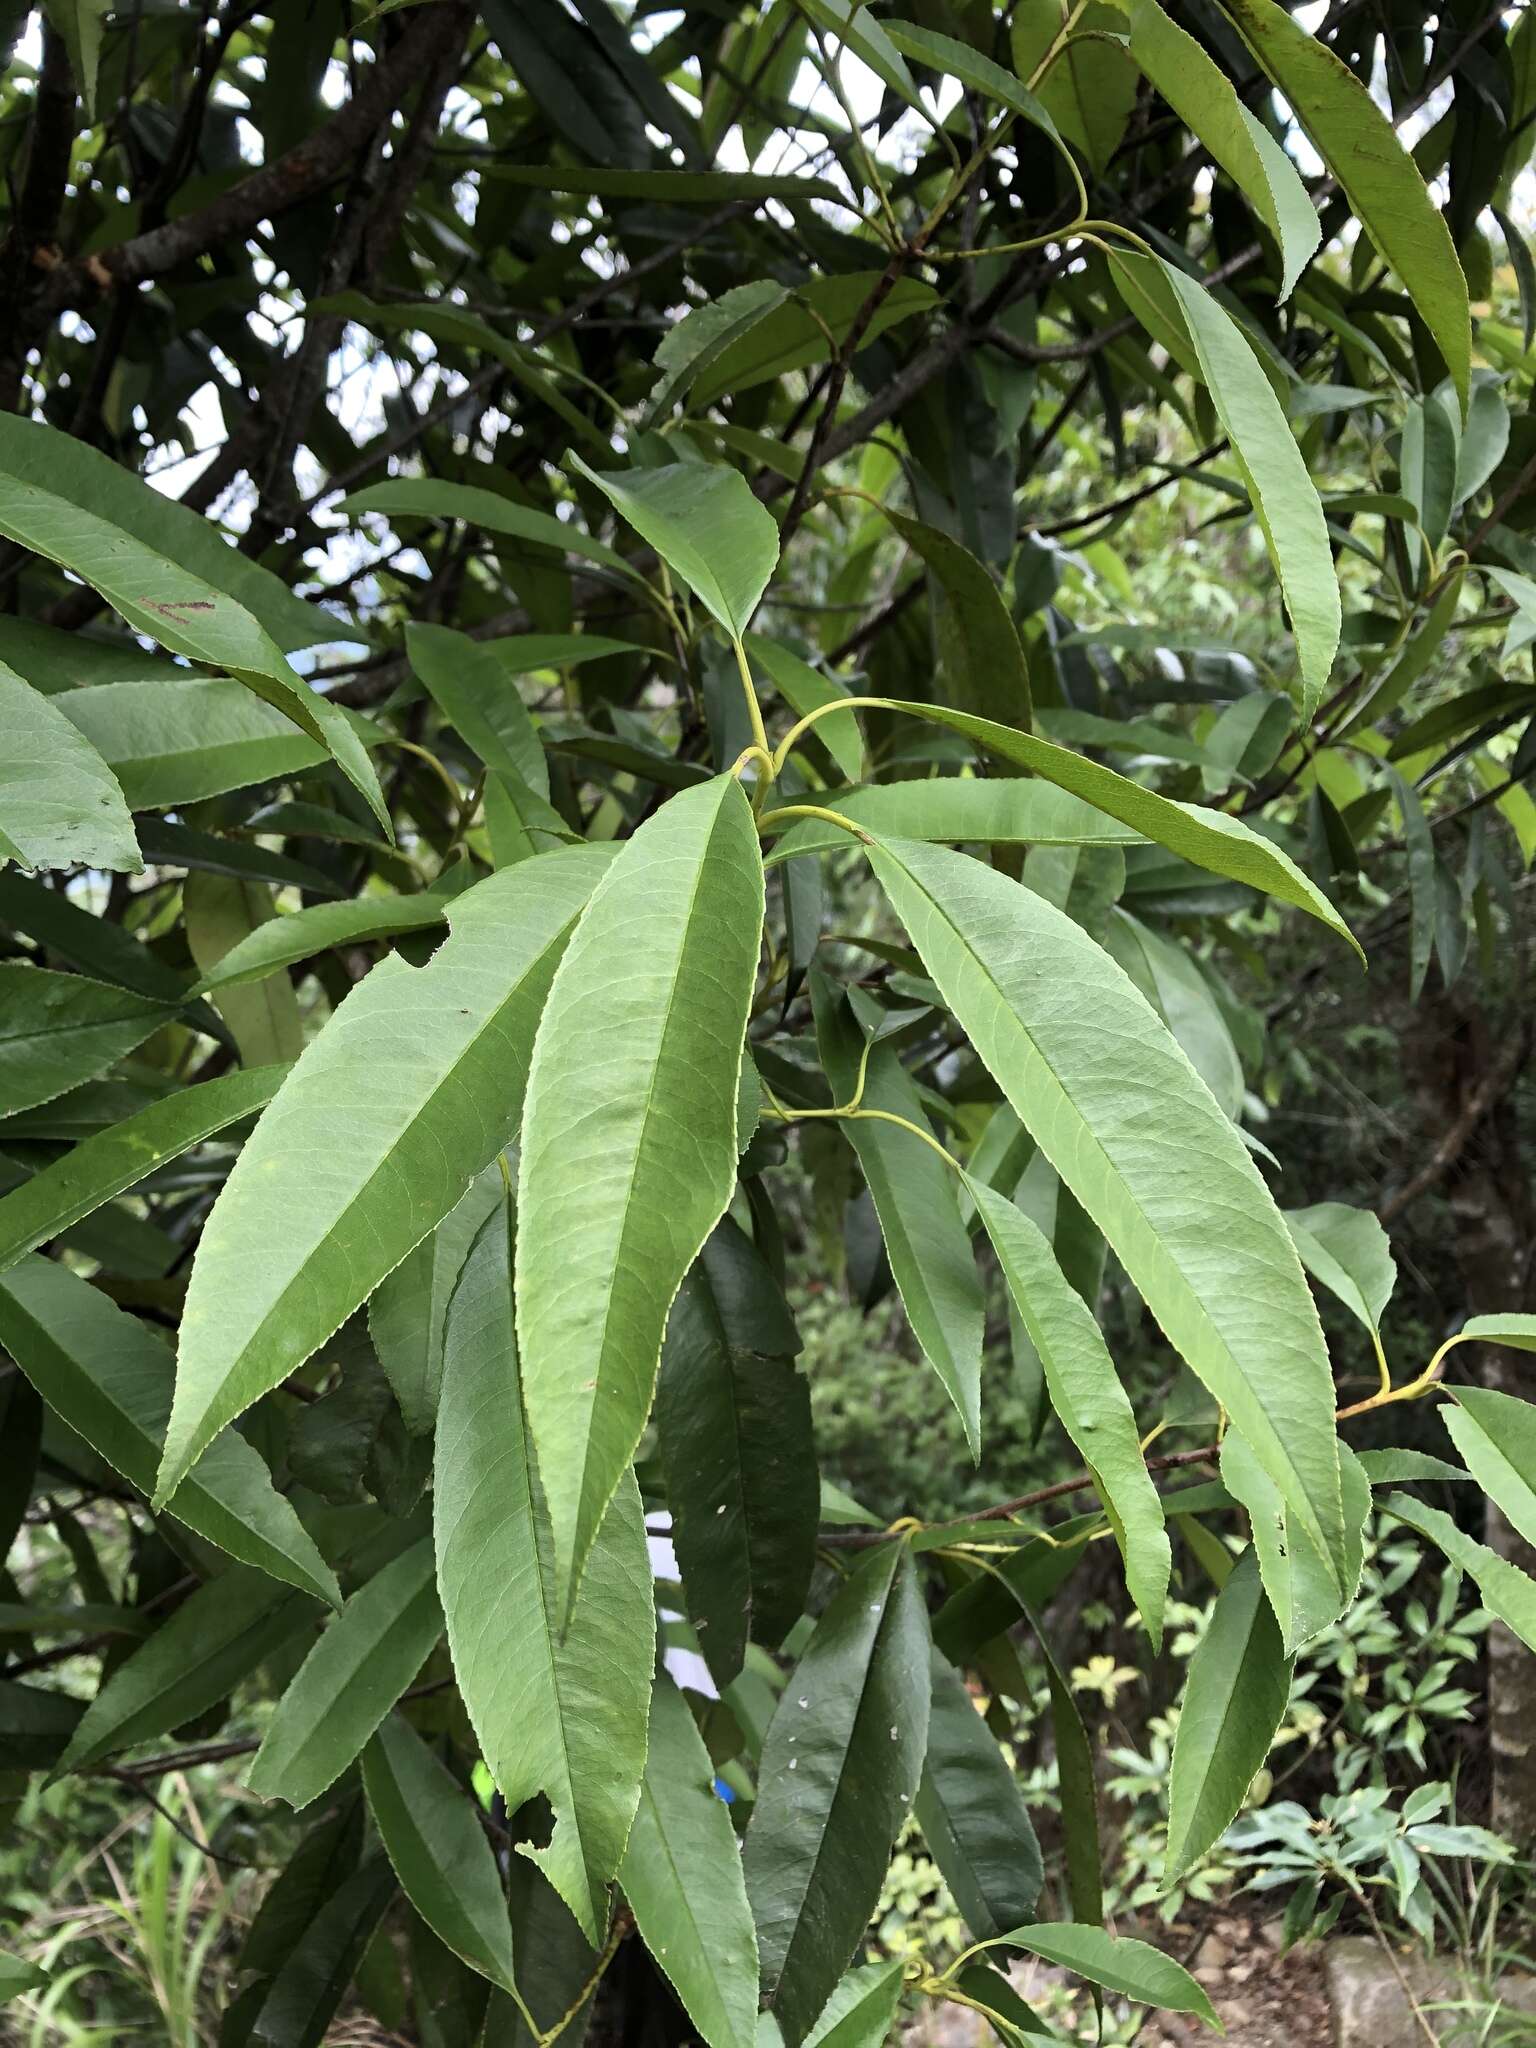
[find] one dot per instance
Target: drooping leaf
(17, 1976)
(687, 349)
(1285, 499)
(1079, 1053)
(426, 1821)
(682, 1877)
(1205, 100)
(1347, 1251)
(419, 1074)
(1496, 1436)
(1380, 179)
(1116, 1962)
(221, 914)
(862, 2010)
(435, 498)
(407, 1313)
(913, 1192)
(816, 319)
(218, 1637)
(349, 1681)
(707, 527)
(805, 689)
(91, 1173)
(629, 1141)
(840, 1767)
(972, 1814)
(1239, 1685)
(1173, 984)
(478, 696)
(961, 809)
(109, 1377)
(189, 612)
(984, 657)
(733, 1420)
(1086, 1393)
(1301, 1589)
(560, 1713)
(1212, 840)
(1090, 88)
(60, 804)
(1506, 1591)
(62, 1029)
(280, 941)
(296, 2005)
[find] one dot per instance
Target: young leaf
(559, 1713)
(682, 1877)
(1204, 99)
(1239, 1686)
(480, 699)
(216, 1638)
(1380, 179)
(412, 1088)
(707, 527)
(1079, 1054)
(1087, 1396)
(1496, 1436)
(184, 612)
(109, 1377)
(1212, 840)
(972, 1814)
(1347, 1251)
(426, 1821)
(1284, 496)
(629, 1141)
(840, 1766)
(733, 1420)
(349, 1681)
(1133, 1968)
(62, 1029)
(117, 1158)
(914, 1196)
(1506, 1590)
(60, 804)
(407, 1313)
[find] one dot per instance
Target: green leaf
(217, 1637)
(674, 188)
(629, 1141)
(861, 2012)
(687, 350)
(958, 60)
(1081, 1055)
(733, 1421)
(797, 333)
(561, 1714)
(840, 1767)
(805, 689)
(1204, 99)
(81, 23)
(1519, 1332)
(1380, 179)
(412, 1088)
(1173, 984)
(108, 1376)
(349, 1681)
(60, 804)
(1085, 1390)
(1239, 1687)
(972, 1814)
(17, 1976)
(983, 655)
(432, 498)
(1506, 1591)
(62, 1029)
(1284, 496)
(913, 1192)
(1496, 1436)
(682, 1877)
(478, 697)
(1300, 1586)
(319, 927)
(704, 522)
(1347, 1251)
(408, 1312)
(961, 809)
(519, 823)
(103, 1166)
(1133, 1968)
(220, 913)
(426, 1821)
(187, 612)
(307, 1986)
(854, 28)
(1212, 840)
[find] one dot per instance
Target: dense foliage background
(440, 446)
